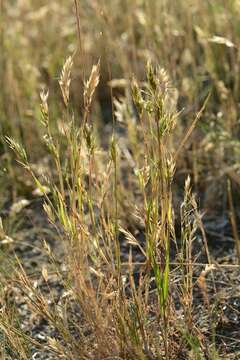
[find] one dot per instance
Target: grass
(141, 111)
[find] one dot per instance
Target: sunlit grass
(145, 102)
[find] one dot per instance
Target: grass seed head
(65, 79)
(91, 84)
(44, 107)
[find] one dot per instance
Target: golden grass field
(120, 175)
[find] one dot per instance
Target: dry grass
(131, 274)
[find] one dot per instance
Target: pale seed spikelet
(17, 207)
(170, 167)
(123, 110)
(17, 148)
(48, 210)
(163, 80)
(151, 76)
(187, 185)
(65, 79)
(44, 107)
(168, 92)
(137, 97)
(88, 135)
(91, 84)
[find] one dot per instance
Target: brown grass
(115, 193)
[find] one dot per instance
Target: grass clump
(126, 319)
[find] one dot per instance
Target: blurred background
(196, 42)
